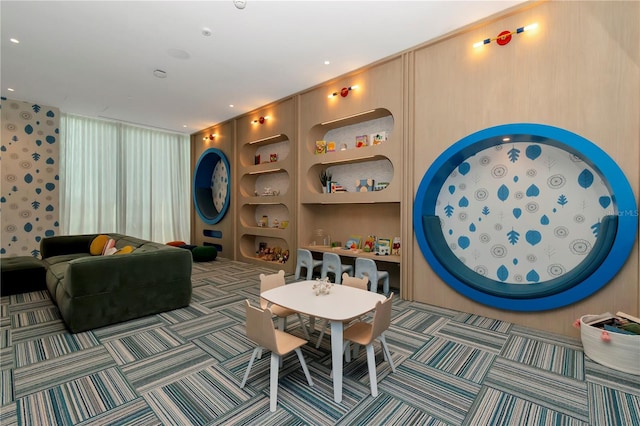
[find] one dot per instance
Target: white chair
(305, 260)
(364, 333)
(267, 282)
(260, 330)
(348, 281)
(331, 263)
(367, 267)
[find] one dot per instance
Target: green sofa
(94, 291)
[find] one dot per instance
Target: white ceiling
(96, 58)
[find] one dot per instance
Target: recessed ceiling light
(10, 89)
(206, 32)
(160, 73)
(184, 125)
(178, 53)
(327, 62)
(240, 4)
(14, 40)
(231, 106)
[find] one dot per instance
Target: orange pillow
(176, 243)
(125, 250)
(97, 245)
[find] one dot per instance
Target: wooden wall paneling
(574, 72)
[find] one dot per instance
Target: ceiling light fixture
(160, 73)
(10, 89)
(206, 32)
(505, 36)
(14, 40)
(260, 120)
(240, 4)
(343, 92)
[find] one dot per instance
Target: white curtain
(116, 177)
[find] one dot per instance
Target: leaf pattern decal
(448, 210)
(513, 236)
(533, 151)
(514, 154)
(503, 273)
(562, 200)
(503, 193)
(585, 179)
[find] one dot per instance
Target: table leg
(336, 359)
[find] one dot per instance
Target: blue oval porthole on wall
(211, 186)
(525, 217)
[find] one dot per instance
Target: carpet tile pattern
(184, 367)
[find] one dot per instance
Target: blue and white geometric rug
(184, 367)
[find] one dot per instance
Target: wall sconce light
(260, 120)
(505, 36)
(343, 92)
(210, 137)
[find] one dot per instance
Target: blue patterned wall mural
(525, 217)
(522, 212)
(29, 153)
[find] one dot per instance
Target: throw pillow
(109, 247)
(125, 250)
(176, 243)
(97, 245)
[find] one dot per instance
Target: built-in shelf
(266, 169)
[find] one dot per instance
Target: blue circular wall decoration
(525, 217)
(211, 186)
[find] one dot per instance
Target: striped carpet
(184, 367)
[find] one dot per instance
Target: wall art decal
(523, 220)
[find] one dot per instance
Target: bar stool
(368, 267)
(306, 260)
(331, 263)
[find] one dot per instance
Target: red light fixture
(260, 120)
(210, 137)
(505, 36)
(344, 92)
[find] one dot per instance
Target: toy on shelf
(272, 254)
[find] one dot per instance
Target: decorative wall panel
(29, 154)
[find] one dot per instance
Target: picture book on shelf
(321, 147)
(331, 146)
(362, 140)
(354, 242)
(378, 138)
(364, 185)
(383, 246)
(369, 245)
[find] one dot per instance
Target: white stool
(331, 263)
(368, 267)
(306, 260)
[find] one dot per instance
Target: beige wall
(579, 71)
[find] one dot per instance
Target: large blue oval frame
(612, 175)
(202, 198)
